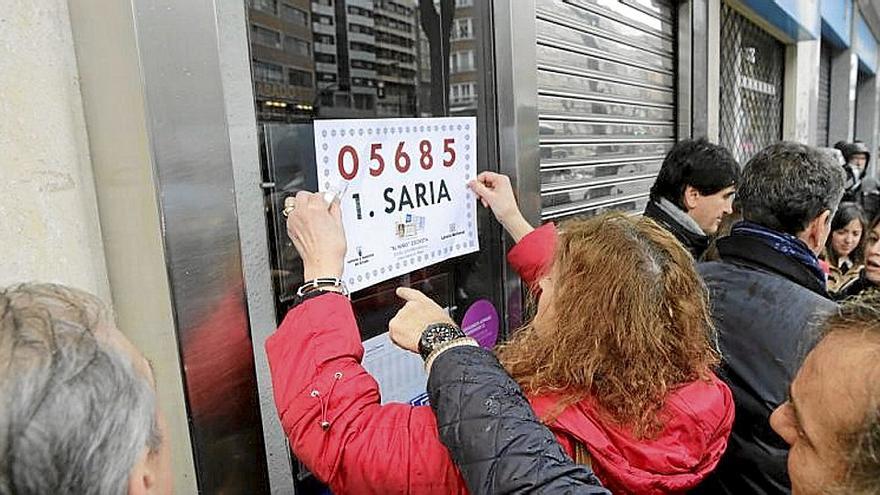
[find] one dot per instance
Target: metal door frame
(694, 69)
(192, 146)
(517, 103)
(241, 117)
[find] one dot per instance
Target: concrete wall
(49, 229)
(52, 155)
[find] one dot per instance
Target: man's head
(832, 418)
(700, 178)
(81, 415)
(793, 189)
(857, 155)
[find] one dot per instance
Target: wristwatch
(437, 334)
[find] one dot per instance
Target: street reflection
(338, 59)
(363, 58)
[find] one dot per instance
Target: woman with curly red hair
(617, 360)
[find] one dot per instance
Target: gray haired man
(831, 419)
(766, 291)
(79, 413)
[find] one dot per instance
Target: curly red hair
(627, 322)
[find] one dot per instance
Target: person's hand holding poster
(406, 204)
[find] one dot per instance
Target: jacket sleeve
(489, 427)
(871, 197)
(532, 256)
(330, 410)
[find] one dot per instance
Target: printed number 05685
(348, 160)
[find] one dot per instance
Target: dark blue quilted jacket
(493, 435)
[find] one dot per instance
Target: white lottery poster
(406, 204)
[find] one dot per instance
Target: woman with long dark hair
(843, 249)
(869, 276)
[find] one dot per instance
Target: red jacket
(365, 447)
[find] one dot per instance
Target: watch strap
(436, 334)
(458, 342)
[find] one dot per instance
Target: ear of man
(142, 480)
(816, 232)
(691, 197)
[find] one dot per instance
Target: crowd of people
(725, 342)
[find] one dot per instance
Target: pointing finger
(408, 294)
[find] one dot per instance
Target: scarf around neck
(680, 216)
(785, 244)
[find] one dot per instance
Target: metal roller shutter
(606, 102)
(824, 95)
(752, 70)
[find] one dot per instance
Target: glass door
(355, 59)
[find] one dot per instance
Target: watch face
(436, 335)
(439, 335)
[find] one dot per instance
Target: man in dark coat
(693, 192)
(766, 291)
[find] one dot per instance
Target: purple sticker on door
(481, 322)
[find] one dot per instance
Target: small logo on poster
(409, 226)
(361, 258)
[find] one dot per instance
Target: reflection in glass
(363, 58)
(560, 131)
(632, 205)
(599, 44)
(575, 198)
(351, 59)
(340, 59)
(572, 107)
(572, 61)
(602, 152)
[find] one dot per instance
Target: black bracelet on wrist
(297, 300)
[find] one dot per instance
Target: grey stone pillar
(866, 112)
(801, 92)
(844, 73)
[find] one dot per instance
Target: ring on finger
(289, 205)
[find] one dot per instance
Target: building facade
(283, 59)
(397, 41)
(463, 63)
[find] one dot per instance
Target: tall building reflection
(362, 58)
(282, 63)
(397, 45)
(463, 61)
